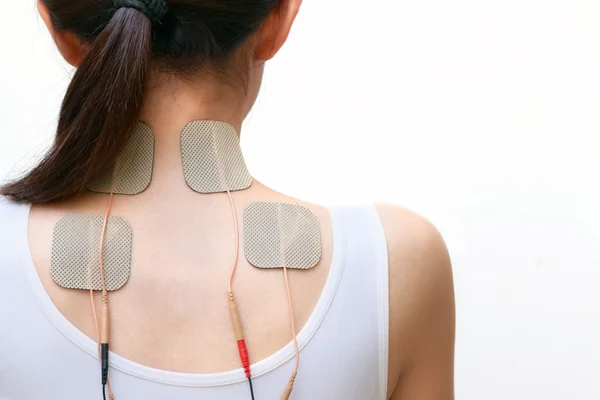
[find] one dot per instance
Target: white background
(481, 115)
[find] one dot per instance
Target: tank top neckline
(89, 346)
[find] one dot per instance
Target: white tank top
(344, 345)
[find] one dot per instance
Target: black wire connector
(104, 355)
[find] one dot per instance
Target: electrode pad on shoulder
(212, 158)
(75, 262)
(278, 234)
(132, 171)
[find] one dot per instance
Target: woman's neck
(170, 104)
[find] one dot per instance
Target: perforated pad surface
(132, 172)
(75, 262)
(278, 233)
(212, 158)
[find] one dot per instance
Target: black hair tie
(155, 10)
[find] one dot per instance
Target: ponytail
(99, 112)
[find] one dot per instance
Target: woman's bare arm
(422, 316)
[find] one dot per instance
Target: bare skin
(183, 252)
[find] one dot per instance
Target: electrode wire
(102, 237)
(233, 309)
(237, 240)
(293, 324)
(110, 392)
(104, 291)
(290, 386)
(287, 284)
(251, 388)
(244, 357)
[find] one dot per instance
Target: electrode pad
(133, 169)
(278, 234)
(75, 262)
(212, 158)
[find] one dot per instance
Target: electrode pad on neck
(132, 171)
(278, 234)
(212, 158)
(75, 262)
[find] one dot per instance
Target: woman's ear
(69, 45)
(276, 29)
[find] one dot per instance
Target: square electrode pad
(278, 234)
(75, 262)
(132, 171)
(212, 158)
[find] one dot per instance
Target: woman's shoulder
(413, 241)
(421, 302)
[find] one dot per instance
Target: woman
(375, 317)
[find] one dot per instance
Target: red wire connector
(239, 335)
(244, 357)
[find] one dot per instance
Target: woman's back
(172, 315)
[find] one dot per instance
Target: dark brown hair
(103, 101)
